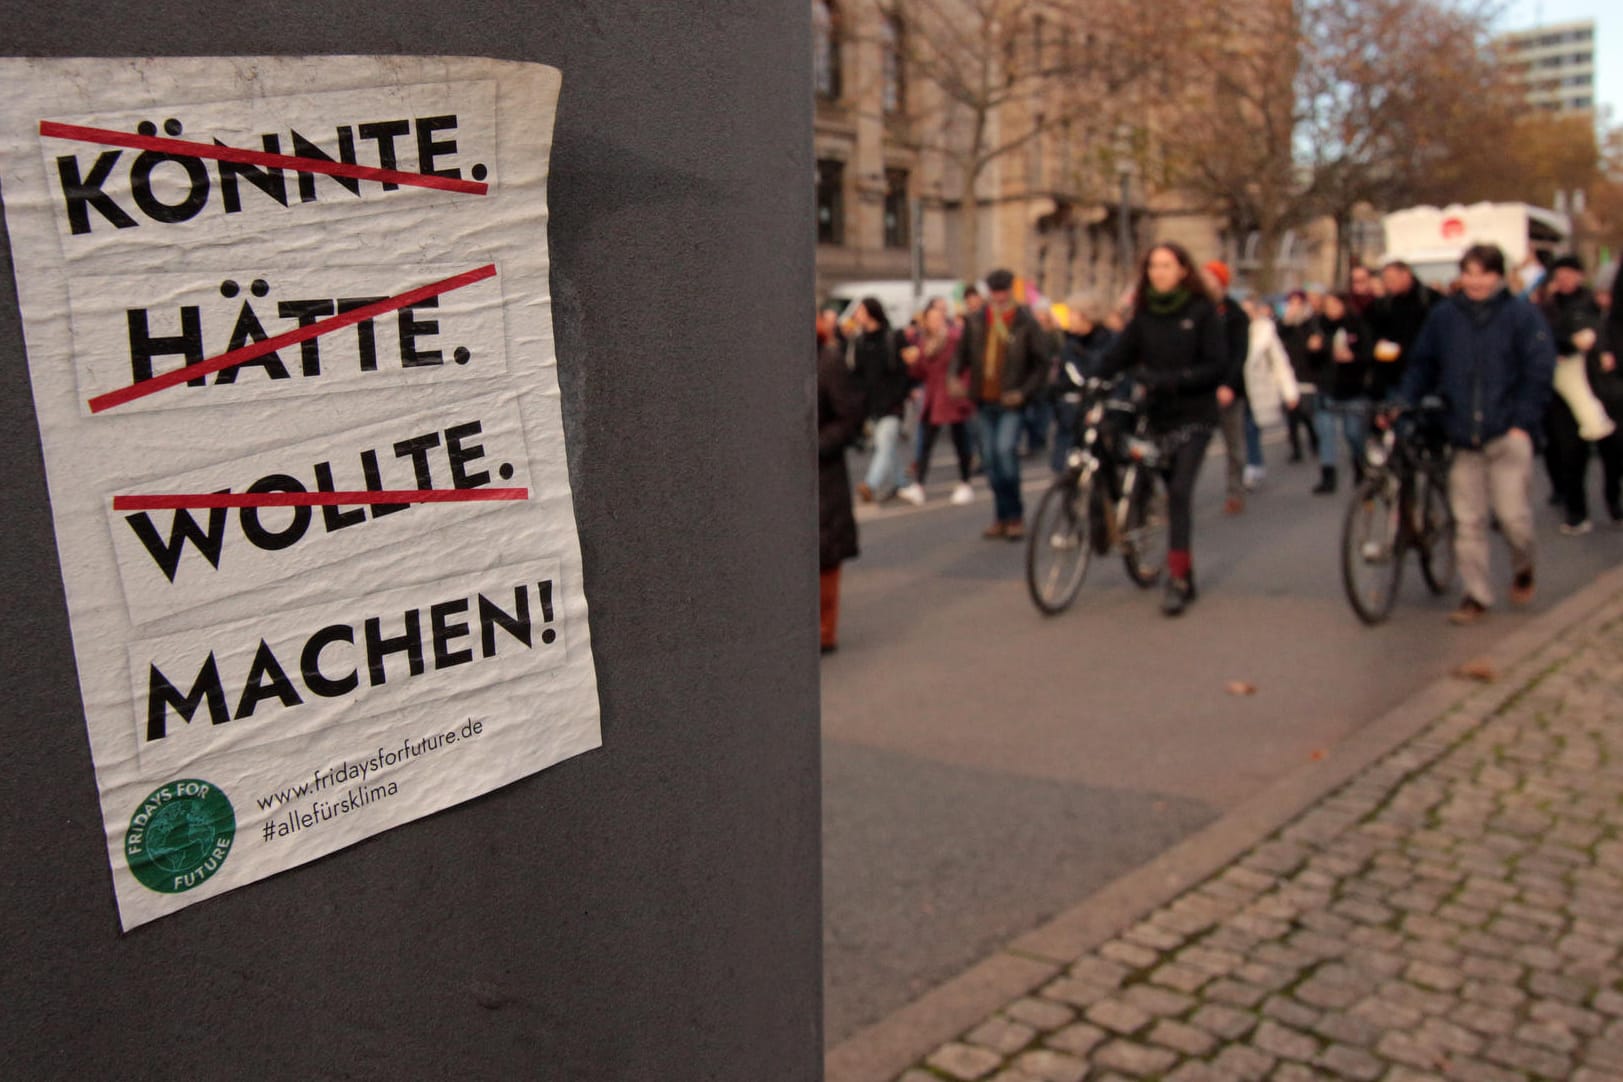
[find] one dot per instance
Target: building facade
(878, 193)
(1555, 65)
(1042, 167)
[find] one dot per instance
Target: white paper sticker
(290, 342)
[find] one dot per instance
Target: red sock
(1179, 563)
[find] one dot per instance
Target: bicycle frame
(1112, 470)
(1392, 512)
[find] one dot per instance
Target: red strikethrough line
(314, 499)
(281, 341)
(108, 137)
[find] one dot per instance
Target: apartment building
(1555, 64)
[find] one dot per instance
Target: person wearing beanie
(1242, 441)
(1176, 348)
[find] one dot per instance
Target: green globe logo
(180, 835)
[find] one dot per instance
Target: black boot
(1179, 593)
(1327, 481)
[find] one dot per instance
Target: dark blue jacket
(1491, 361)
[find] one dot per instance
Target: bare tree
(1002, 74)
(1299, 108)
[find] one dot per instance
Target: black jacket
(1397, 318)
(1610, 384)
(839, 421)
(1181, 357)
(1341, 380)
(1084, 352)
(880, 372)
(1569, 313)
(1025, 364)
(1492, 362)
(1295, 336)
(1237, 337)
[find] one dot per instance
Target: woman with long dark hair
(839, 423)
(879, 370)
(1174, 347)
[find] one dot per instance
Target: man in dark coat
(1003, 358)
(840, 410)
(1489, 355)
(1575, 320)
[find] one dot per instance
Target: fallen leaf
(1240, 687)
(1484, 671)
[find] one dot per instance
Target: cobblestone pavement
(1453, 912)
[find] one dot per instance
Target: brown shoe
(1521, 587)
(1470, 611)
(994, 531)
(1015, 530)
(1233, 505)
(864, 493)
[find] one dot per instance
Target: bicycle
(1401, 504)
(1110, 497)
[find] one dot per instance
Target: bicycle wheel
(1057, 549)
(1144, 534)
(1372, 549)
(1435, 540)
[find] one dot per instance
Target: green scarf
(1164, 304)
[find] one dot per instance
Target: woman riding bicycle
(1174, 348)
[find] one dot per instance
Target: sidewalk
(1441, 899)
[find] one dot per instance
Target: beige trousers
(1496, 479)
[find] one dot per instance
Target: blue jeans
(1253, 439)
(886, 470)
(1349, 413)
(998, 430)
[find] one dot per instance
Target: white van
(896, 295)
(1432, 239)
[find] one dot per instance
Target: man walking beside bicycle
(1002, 359)
(1488, 353)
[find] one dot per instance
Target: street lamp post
(1124, 233)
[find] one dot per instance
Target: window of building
(896, 209)
(893, 92)
(826, 48)
(830, 201)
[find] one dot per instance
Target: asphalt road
(986, 767)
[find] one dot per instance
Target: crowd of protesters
(1525, 361)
